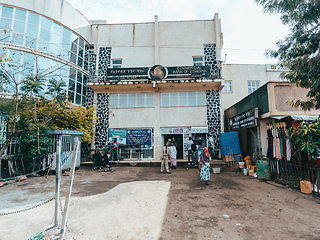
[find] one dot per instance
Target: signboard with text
(245, 119)
(157, 72)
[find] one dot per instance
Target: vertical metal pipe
(58, 179)
(66, 206)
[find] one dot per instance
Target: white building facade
(149, 81)
(141, 109)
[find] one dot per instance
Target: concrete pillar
(157, 130)
(156, 40)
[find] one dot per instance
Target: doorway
(179, 140)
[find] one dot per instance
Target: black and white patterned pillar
(89, 97)
(104, 62)
(210, 59)
(213, 115)
(102, 125)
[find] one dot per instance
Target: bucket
(216, 170)
(241, 164)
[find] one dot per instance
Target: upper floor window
(253, 85)
(133, 100)
(227, 86)
(198, 61)
(182, 99)
(116, 63)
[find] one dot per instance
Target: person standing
(114, 150)
(165, 154)
(194, 155)
(205, 169)
(173, 156)
(108, 150)
(188, 144)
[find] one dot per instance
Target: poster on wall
(120, 134)
(142, 137)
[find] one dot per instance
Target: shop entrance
(179, 140)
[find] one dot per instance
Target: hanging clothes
(270, 144)
(278, 147)
(288, 149)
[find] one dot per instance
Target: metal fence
(291, 173)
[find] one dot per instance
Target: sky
(247, 31)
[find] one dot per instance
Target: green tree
(299, 51)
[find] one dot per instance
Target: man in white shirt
(188, 144)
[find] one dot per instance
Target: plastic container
(305, 187)
(241, 164)
(263, 169)
(216, 170)
(245, 171)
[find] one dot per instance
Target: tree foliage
(299, 51)
(78, 119)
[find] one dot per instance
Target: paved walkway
(133, 210)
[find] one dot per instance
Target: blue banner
(229, 143)
(142, 137)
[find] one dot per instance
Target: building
(150, 81)
(47, 36)
(257, 116)
(240, 80)
(154, 81)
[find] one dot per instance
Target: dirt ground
(232, 206)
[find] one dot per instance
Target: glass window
(55, 49)
(132, 100)
(18, 27)
(71, 96)
(116, 63)
(66, 44)
(84, 90)
(7, 12)
(32, 30)
(73, 58)
(201, 99)
(73, 73)
(81, 42)
(46, 23)
(43, 45)
(71, 85)
(20, 15)
(192, 99)
(227, 86)
(79, 87)
(5, 23)
(66, 33)
(198, 61)
(45, 34)
(15, 56)
(56, 29)
(78, 99)
(173, 99)
(253, 85)
(149, 99)
(33, 18)
(56, 39)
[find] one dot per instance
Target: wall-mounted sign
(199, 130)
(246, 119)
(157, 73)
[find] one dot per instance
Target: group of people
(169, 154)
(110, 154)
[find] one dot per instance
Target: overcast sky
(247, 31)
